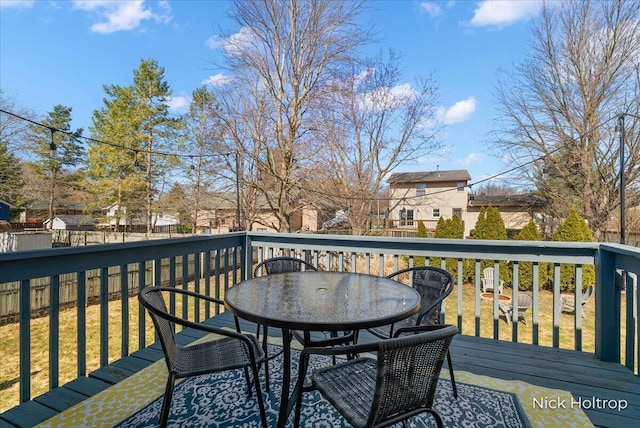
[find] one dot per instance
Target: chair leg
(266, 355)
(452, 376)
(437, 417)
(263, 413)
(166, 401)
(303, 365)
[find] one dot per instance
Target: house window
(406, 214)
(458, 212)
(421, 189)
(436, 212)
(460, 185)
(407, 217)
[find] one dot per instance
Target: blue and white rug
(221, 400)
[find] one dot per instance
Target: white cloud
(471, 159)
(179, 103)
(502, 13)
(115, 16)
(16, 3)
(235, 43)
(459, 112)
(432, 9)
(387, 98)
(217, 80)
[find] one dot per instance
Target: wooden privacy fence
(40, 288)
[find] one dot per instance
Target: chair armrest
(343, 349)
(198, 326)
(192, 294)
(419, 329)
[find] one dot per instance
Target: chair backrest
(524, 302)
(434, 285)
(280, 265)
(487, 273)
(587, 294)
(152, 298)
(408, 371)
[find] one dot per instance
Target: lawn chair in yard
(568, 302)
(524, 303)
(488, 282)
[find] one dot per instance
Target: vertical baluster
(172, 283)
(578, 311)
(54, 330)
(25, 340)
(81, 338)
(534, 307)
(514, 300)
(477, 294)
(104, 316)
(124, 299)
(460, 291)
(556, 305)
(207, 281)
(217, 280)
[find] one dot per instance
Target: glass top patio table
(322, 301)
(318, 301)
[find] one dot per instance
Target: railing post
(607, 310)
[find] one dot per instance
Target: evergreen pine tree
(574, 229)
(529, 232)
(421, 232)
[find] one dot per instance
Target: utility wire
(317, 192)
(97, 141)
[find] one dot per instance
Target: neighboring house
(515, 210)
(71, 222)
(4, 210)
(430, 195)
(158, 219)
(426, 196)
(39, 211)
(219, 211)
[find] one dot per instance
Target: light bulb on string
(52, 145)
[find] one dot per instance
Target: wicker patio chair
(232, 351)
(434, 285)
(276, 265)
(524, 303)
(568, 303)
(400, 383)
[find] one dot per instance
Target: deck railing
(211, 264)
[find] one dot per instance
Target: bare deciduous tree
(371, 123)
(285, 54)
(561, 105)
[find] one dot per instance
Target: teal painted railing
(214, 263)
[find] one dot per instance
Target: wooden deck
(580, 373)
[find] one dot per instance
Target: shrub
(573, 229)
(421, 232)
(450, 228)
(529, 232)
(489, 225)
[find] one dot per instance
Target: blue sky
(63, 52)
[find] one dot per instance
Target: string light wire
(317, 192)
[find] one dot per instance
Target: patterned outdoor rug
(221, 400)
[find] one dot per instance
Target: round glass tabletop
(322, 301)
